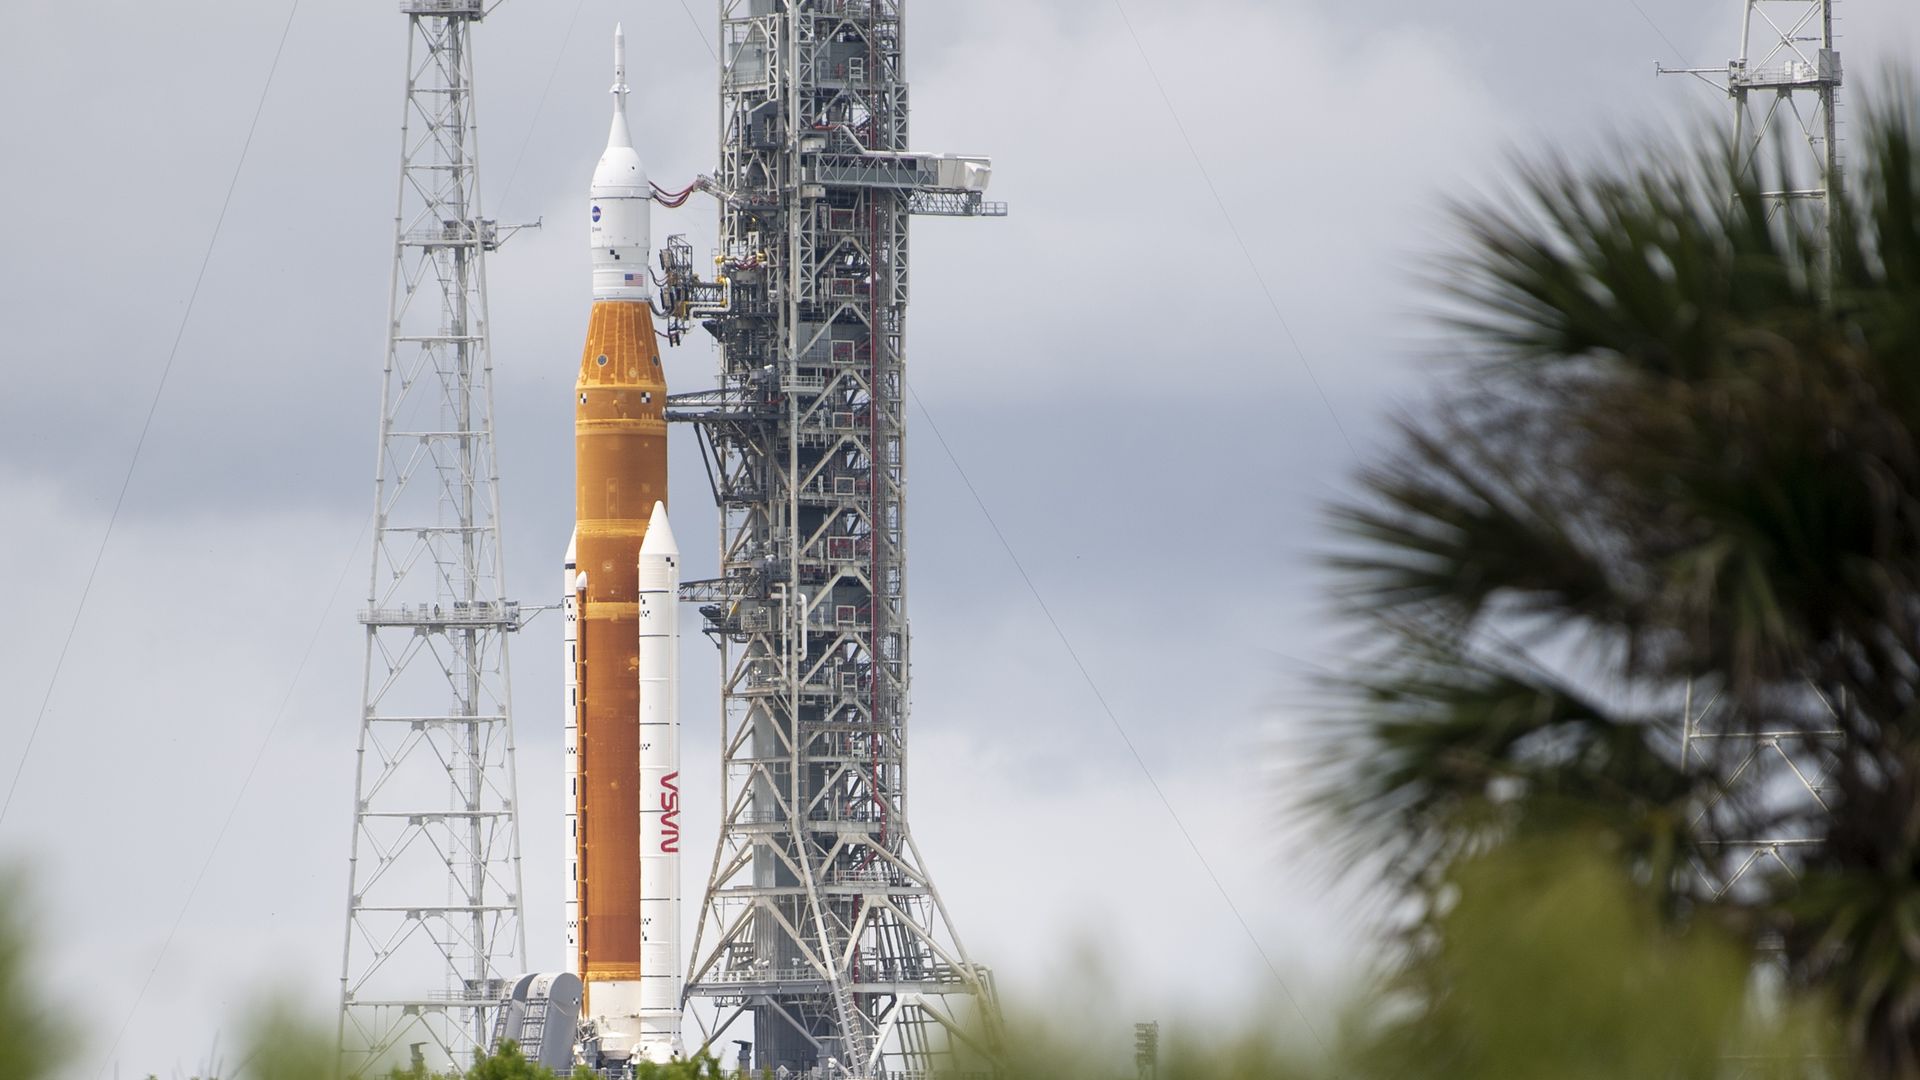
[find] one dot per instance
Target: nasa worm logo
(670, 813)
(596, 214)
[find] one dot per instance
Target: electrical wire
(1682, 57)
(1326, 402)
(146, 425)
(1233, 227)
(698, 30)
(1113, 719)
(253, 126)
(246, 782)
(534, 124)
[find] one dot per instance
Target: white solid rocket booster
(660, 972)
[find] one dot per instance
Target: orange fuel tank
(620, 471)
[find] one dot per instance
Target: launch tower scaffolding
(434, 927)
(821, 926)
(1783, 88)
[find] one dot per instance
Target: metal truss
(433, 929)
(820, 927)
(1779, 778)
(1783, 87)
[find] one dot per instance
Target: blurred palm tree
(1684, 451)
(33, 1040)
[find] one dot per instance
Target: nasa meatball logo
(596, 215)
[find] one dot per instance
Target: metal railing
(471, 8)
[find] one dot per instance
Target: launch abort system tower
(434, 931)
(820, 923)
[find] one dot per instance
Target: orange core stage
(620, 471)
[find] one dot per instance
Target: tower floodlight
(433, 923)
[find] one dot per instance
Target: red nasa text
(670, 813)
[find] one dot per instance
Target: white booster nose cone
(619, 203)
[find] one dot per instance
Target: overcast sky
(1103, 363)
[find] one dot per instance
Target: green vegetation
(1686, 452)
(31, 1042)
(508, 1063)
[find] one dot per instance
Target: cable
(533, 124)
(233, 811)
(146, 425)
(699, 30)
(1682, 57)
(1306, 366)
(1192, 844)
(673, 200)
(1246, 252)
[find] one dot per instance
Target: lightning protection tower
(433, 926)
(821, 927)
(1783, 88)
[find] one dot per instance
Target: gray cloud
(1103, 364)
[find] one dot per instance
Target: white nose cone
(659, 539)
(619, 203)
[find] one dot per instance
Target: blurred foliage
(1547, 962)
(1550, 962)
(505, 1063)
(508, 1063)
(279, 1044)
(1684, 452)
(702, 1067)
(32, 1042)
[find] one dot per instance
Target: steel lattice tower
(1783, 88)
(434, 927)
(820, 922)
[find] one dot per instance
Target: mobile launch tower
(820, 926)
(434, 891)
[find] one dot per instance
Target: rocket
(621, 642)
